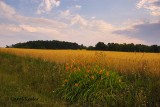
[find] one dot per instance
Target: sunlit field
(79, 78)
(119, 61)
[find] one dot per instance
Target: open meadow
(59, 78)
(119, 61)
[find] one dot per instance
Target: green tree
(100, 46)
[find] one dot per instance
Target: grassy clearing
(76, 82)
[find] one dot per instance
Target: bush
(92, 86)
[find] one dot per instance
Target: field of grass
(118, 61)
(59, 78)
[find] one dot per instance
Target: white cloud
(47, 5)
(72, 27)
(12, 28)
(35, 29)
(93, 17)
(65, 13)
(78, 6)
(9, 28)
(92, 31)
(6, 11)
(101, 26)
(77, 19)
(43, 22)
(6, 8)
(150, 5)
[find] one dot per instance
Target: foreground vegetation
(77, 82)
(30, 78)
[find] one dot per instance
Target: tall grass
(92, 88)
(95, 85)
(129, 62)
(80, 81)
(22, 77)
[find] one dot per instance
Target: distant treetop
(55, 44)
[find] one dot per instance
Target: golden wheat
(119, 61)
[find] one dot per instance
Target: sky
(82, 21)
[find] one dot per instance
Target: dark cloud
(149, 32)
(157, 3)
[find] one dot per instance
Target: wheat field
(128, 62)
(76, 78)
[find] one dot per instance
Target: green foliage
(54, 44)
(28, 77)
(99, 87)
(87, 86)
(92, 88)
(100, 46)
(142, 90)
(126, 47)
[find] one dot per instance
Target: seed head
(76, 84)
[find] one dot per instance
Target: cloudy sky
(83, 21)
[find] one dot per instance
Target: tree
(154, 48)
(100, 46)
(7, 46)
(54, 44)
(90, 48)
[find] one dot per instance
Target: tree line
(126, 47)
(54, 44)
(40, 44)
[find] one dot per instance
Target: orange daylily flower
(92, 77)
(67, 68)
(65, 80)
(79, 69)
(107, 73)
(88, 71)
(71, 66)
(100, 72)
(88, 66)
(76, 85)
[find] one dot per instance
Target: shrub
(94, 86)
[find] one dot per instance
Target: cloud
(47, 5)
(9, 13)
(77, 19)
(78, 6)
(70, 27)
(65, 13)
(12, 28)
(150, 31)
(4, 8)
(152, 5)
(157, 3)
(35, 29)
(21, 28)
(91, 31)
(43, 22)
(93, 17)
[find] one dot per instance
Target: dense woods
(126, 47)
(54, 44)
